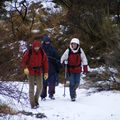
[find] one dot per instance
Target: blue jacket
(53, 63)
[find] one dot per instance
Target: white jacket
(82, 54)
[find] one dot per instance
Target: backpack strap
(42, 53)
(29, 56)
(30, 53)
(69, 52)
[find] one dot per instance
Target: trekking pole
(65, 75)
(22, 89)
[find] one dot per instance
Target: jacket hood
(46, 39)
(75, 40)
(36, 43)
(74, 51)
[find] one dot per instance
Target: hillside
(88, 106)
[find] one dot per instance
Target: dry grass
(4, 109)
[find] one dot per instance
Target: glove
(85, 69)
(26, 71)
(45, 76)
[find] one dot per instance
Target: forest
(95, 23)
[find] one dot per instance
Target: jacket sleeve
(84, 61)
(24, 60)
(45, 63)
(64, 56)
(83, 58)
(56, 62)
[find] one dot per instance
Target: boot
(36, 103)
(43, 98)
(73, 99)
(51, 97)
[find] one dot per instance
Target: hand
(26, 71)
(45, 76)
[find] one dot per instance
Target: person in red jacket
(75, 58)
(35, 66)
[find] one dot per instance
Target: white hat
(75, 40)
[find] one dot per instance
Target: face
(74, 45)
(36, 48)
(47, 42)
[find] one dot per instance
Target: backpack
(70, 51)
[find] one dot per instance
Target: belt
(36, 68)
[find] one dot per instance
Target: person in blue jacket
(53, 68)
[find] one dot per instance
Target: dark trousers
(51, 90)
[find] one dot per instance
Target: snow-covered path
(96, 106)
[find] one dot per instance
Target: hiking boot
(36, 103)
(32, 105)
(43, 99)
(51, 97)
(73, 99)
(35, 107)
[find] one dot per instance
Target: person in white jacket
(76, 59)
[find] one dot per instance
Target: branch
(12, 24)
(23, 15)
(33, 19)
(66, 3)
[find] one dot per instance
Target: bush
(5, 109)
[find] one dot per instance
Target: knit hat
(46, 38)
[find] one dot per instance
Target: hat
(46, 38)
(75, 40)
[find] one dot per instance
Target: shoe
(36, 103)
(73, 99)
(43, 99)
(51, 97)
(35, 107)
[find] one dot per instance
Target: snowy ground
(94, 106)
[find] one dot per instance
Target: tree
(3, 10)
(91, 22)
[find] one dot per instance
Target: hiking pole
(65, 75)
(22, 89)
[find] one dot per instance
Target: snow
(23, 46)
(88, 106)
(48, 5)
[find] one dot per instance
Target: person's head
(36, 45)
(74, 44)
(46, 40)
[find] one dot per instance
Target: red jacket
(36, 62)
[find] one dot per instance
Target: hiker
(54, 65)
(35, 66)
(75, 58)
